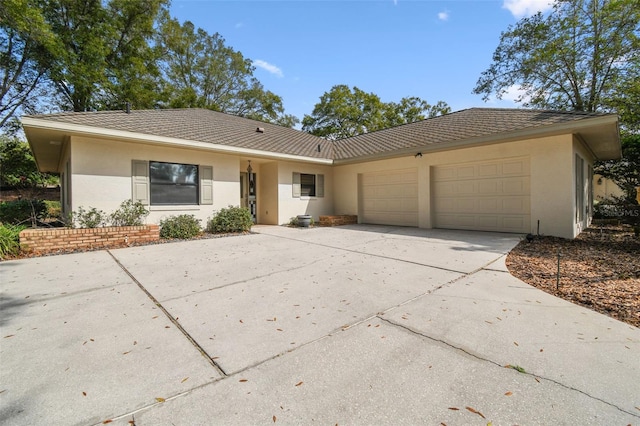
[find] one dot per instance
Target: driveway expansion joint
(480, 358)
(191, 340)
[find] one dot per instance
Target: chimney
(127, 107)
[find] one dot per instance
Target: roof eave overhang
(610, 121)
(80, 130)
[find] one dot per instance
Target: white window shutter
(319, 185)
(296, 188)
(140, 181)
(206, 184)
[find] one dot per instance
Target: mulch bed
(600, 269)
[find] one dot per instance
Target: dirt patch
(600, 269)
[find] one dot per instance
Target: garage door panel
(489, 170)
(490, 195)
(390, 198)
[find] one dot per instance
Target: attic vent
(260, 130)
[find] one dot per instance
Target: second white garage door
(484, 196)
(390, 197)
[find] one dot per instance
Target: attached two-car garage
(486, 196)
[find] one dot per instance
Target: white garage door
(390, 197)
(484, 196)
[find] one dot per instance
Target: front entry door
(248, 193)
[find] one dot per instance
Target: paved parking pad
(497, 317)
(378, 373)
(349, 325)
(81, 343)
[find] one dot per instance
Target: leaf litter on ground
(600, 269)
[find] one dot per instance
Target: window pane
(173, 183)
(174, 194)
(307, 185)
(173, 173)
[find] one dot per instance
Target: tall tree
(578, 57)
(200, 70)
(25, 40)
(343, 112)
(625, 172)
(95, 54)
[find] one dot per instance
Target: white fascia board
(570, 127)
(163, 140)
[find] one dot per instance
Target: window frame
(193, 186)
(297, 185)
(141, 183)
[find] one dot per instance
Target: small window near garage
(307, 185)
(172, 183)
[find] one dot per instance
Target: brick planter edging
(337, 220)
(45, 240)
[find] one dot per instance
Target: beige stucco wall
(102, 175)
(268, 193)
(604, 188)
(552, 184)
(288, 206)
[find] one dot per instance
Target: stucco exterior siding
(268, 200)
(102, 176)
(289, 206)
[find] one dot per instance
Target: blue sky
(435, 50)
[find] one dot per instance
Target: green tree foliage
(19, 168)
(25, 39)
(99, 54)
(579, 57)
(343, 112)
(625, 172)
(94, 54)
(201, 71)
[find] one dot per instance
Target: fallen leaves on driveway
(600, 269)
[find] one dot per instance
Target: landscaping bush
(9, 239)
(92, 218)
(129, 214)
(22, 211)
(183, 227)
(231, 219)
(617, 208)
(54, 209)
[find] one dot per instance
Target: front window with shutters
(307, 185)
(162, 183)
(173, 183)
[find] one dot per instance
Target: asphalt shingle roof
(223, 129)
(203, 125)
(457, 126)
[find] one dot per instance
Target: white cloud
(522, 8)
(239, 25)
(268, 67)
(509, 97)
(443, 16)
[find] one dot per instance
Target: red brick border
(44, 240)
(337, 220)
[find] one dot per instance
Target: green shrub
(54, 209)
(9, 240)
(22, 211)
(92, 218)
(183, 227)
(129, 214)
(231, 219)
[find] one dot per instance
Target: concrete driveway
(348, 325)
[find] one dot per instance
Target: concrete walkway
(349, 325)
